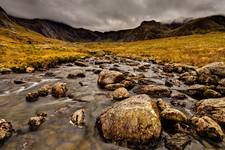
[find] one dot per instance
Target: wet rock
(35, 122)
(221, 89)
(59, 90)
(209, 74)
(189, 78)
(76, 75)
(178, 68)
(169, 83)
(222, 82)
(213, 108)
(6, 130)
(97, 71)
(19, 82)
(30, 70)
(44, 90)
(169, 114)
(5, 70)
(32, 97)
(153, 90)
(177, 141)
(100, 62)
(132, 121)
(109, 77)
(178, 95)
(49, 74)
(173, 115)
(195, 91)
(209, 93)
(112, 87)
(78, 118)
(80, 64)
(128, 83)
(207, 127)
(120, 94)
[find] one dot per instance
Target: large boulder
(153, 90)
(135, 120)
(6, 130)
(214, 108)
(109, 77)
(207, 127)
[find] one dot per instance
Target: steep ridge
(146, 31)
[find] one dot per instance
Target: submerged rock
(78, 74)
(78, 118)
(59, 90)
(35, 122)
(109, 77)
(153, 90)
(32, 97)
(6, 130)
(207, 127)
(132, 121)
(120, 94)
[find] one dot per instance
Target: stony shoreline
(150, 103)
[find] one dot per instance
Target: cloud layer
(104, 15)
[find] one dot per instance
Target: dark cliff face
(147, 30)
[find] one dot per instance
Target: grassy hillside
(194, 49)
(20, 47)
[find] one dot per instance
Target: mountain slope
(147, 30)
(57, 30)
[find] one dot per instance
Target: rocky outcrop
(153, 90)
(132, 121)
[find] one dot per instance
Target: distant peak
(152, 22)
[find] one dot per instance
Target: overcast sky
(104, 15)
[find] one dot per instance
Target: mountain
(5, 20)
(147, 29)
(57, 30)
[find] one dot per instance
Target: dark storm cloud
(111, 14)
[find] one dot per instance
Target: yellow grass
(21, 47)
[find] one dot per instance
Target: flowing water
(57, 132)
